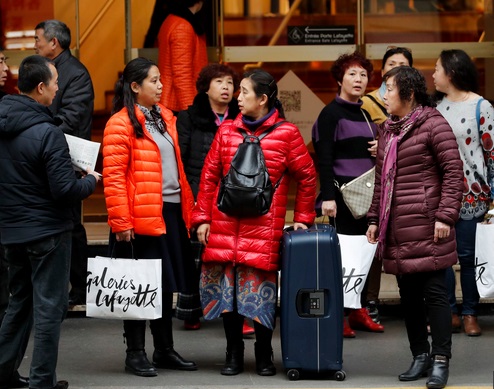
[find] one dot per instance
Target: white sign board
(301, 105)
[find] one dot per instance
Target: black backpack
(246, 190)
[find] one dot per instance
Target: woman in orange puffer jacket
(149, 202)
(182, 53)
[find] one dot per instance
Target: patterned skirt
(253, 293)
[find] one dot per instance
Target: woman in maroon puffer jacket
(241, 255)
(419, 182)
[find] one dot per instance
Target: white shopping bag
(484, 259)
(124, 288)
(356, 259)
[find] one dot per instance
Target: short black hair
(392, 50)
(410, 81)
(33, 70)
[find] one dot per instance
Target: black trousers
(424, 299)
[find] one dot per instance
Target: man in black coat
(38, 189)
(4, 290)
(73, 104)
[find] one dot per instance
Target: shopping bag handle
(131, 250)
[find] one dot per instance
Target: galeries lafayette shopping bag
(123, 288)
(356, 259)
(484, 259)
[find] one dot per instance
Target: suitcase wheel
(293, 374)
(339, 375)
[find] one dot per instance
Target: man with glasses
(73, 104)
(38, 188)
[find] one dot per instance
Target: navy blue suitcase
(311, 300)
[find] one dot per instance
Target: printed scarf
(394, 131)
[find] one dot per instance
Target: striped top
(340, 136)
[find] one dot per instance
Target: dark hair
(33, 70)
(191, 3)
(136, 71)
(215, 70)
(392, 50)
(263, 83)
(460, 69)
(55, 29)
(410, 81)
(344, 61)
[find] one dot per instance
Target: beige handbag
(358, 193)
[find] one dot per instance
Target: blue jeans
(465, 242)
(38, 282)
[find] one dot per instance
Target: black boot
(264, 360)
(420, 365)
(440, 372)
(234, 362)
(136, 361)
(263, 350)
(165, 356)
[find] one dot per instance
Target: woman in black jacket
(197, 127)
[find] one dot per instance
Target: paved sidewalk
(92, 356)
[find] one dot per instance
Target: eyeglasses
(399, 49)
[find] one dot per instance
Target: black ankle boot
(420, 365)
(137, 363)
(234, 362)
(439, 374)
(264, 360)
(165, 356)
(169, 359)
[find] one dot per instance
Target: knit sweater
(340, 136)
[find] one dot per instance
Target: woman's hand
(373, 148)
(203, 233)
(125, 236)
(372, 234)
(299, 226)
(328, 208)
(441, 230)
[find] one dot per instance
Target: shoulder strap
(378, 104)
(274, 126)
(477, 112)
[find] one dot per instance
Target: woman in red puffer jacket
(243, 253)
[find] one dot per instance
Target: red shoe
(247, 329)
(359, 319)
(347, 331)
(192, 325)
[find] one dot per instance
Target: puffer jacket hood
(20, 112)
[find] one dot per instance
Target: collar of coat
(201, 113)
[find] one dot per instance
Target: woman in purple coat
(419, 181)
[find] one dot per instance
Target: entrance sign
(321, 35)
(301, 105)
